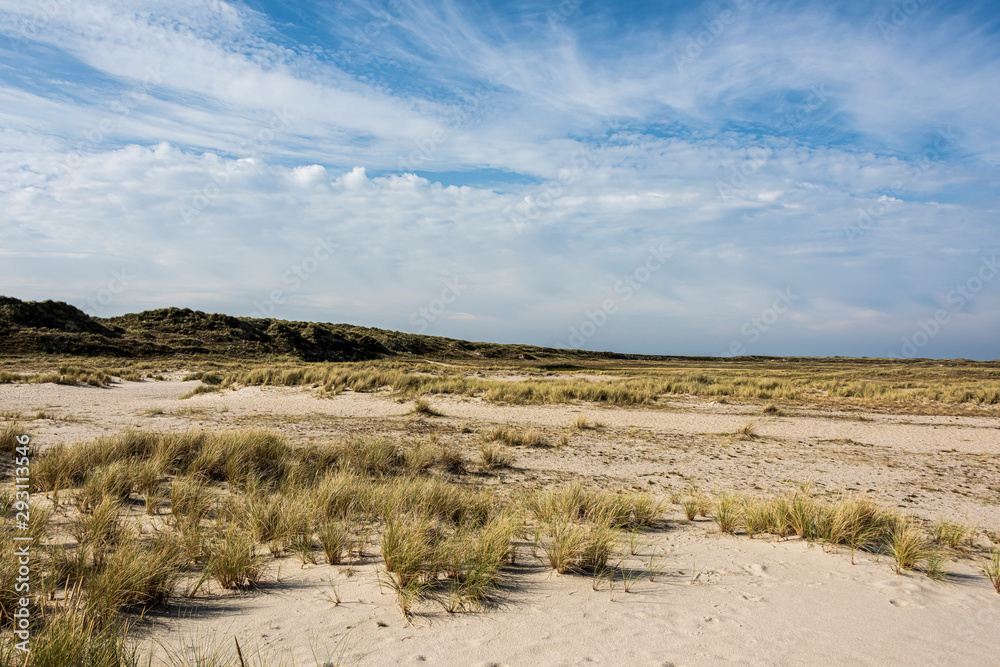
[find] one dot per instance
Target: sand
(750, 602)
(719, 598)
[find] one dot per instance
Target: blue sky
(740, 177)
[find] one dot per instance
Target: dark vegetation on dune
(53, 327)
(29, 328)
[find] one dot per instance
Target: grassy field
(915, 387)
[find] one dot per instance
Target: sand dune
(751, 602)
(718, 598)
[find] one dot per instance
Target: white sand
(751, 602)
(126, 403)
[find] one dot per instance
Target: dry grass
(68, 375)
(953, 534)
(991, 568)
(518, 438)
(222, 500)
(576, 503)
(420, 457)
(422, 407)
(493, 456)
(456, 563)
(758, 516)
(134, 574)
(579, 529)
(335, 539)
(9, 434)
(69, 637)
(451, 459)
(907, 545)
(201, 389)
(855, 522)
(691, 502)
(919, 387)
(727, 512)
(234, 561)
(908, 386)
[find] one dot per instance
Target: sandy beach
(714, 597)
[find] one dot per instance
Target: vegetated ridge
(54, 327)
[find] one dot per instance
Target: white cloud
(219, 175)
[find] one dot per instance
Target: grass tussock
(456, 564)
(423, 407)
(727, 513)
(10, 433)
(692, 503)
(201, 389)
(493, 456)
(576, 503)
(517, 437)
(66, 375)
(991, 568)
(419, 457)
(234, 561)
(579, 547)
(581, 423)
(579, 529)
(953, 534)
(207, 377)
(134, 575)
(335, 539)
(854, 522)
(70, 637)
(907, 545)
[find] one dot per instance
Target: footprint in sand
(902, 593)
(906, 603)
